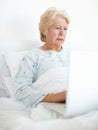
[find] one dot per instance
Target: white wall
(19, 21)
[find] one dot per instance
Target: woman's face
(56, 33)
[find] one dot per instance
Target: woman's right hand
(55, 98)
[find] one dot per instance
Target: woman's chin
(59, 44)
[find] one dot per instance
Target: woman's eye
(57, 28)
(65, 28)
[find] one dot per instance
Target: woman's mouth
(60, 39)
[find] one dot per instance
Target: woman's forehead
(59, 21)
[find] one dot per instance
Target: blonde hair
(47, 18)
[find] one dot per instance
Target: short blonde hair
(47, 18)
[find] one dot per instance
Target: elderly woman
(53, 28)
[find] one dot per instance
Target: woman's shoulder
(33, 53)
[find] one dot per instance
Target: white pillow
(13, 59)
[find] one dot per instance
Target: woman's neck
(47, 48)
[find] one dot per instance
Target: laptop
(82, 93)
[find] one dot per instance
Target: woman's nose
(61, 32)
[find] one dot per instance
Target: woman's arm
(56, 98)
(23, 83)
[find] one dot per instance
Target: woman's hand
(56, 98)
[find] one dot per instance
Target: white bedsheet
(15, 116)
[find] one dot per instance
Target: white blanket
(14, 116)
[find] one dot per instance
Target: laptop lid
(82, 93)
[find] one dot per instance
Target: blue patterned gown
(31, 67)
